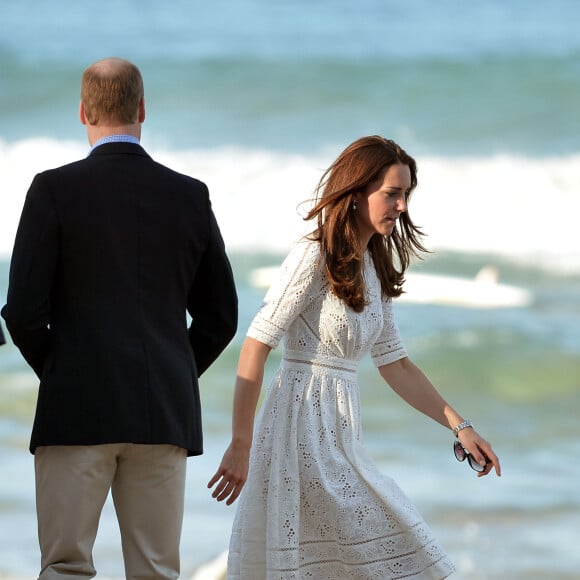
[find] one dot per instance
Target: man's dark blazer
(110, 253)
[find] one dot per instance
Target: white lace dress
(315, 505)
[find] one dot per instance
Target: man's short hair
(111, 91)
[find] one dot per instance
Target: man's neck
(97, 132)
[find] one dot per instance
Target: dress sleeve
(389, 346)
(296, 285)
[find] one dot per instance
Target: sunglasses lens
(474, 465)
(461, 454)
(459, 451)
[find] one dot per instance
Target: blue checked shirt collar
(115, 139)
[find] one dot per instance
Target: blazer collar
(119, 148)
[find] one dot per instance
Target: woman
(314, 505)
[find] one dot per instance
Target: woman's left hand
(481, 450)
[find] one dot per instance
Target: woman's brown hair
(362, 162)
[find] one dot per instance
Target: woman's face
(382, 202)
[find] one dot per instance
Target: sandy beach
(214, 570)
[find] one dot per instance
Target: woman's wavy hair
(361, 163)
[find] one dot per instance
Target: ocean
(256, 99)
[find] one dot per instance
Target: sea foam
(517, 207)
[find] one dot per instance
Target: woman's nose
(401, 204)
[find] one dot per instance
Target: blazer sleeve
(2, 339)
(213, 301)
(32, 267)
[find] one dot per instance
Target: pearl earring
(354, 205)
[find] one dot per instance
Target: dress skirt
(315, 505)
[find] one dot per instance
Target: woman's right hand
(231, 474)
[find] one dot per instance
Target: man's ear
(82, 115)
(141, 110)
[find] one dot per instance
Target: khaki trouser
(147, 483)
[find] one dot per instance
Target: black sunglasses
(461, 454)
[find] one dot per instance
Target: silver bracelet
(467, 423)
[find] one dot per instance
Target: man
(110, 253)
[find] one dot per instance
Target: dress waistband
(327, 362)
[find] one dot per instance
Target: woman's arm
(411, 384)
(233, 470)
